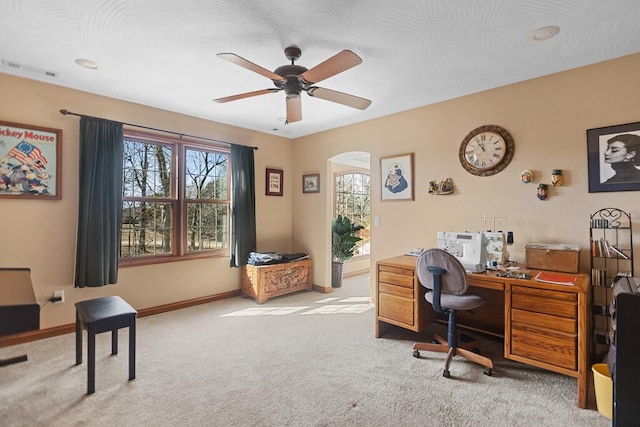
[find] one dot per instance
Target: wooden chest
(262, 282)
(541, 256)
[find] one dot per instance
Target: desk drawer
(400, 291)
(395, 278)
(544, 326)
(393, 307)
(544, 322)
(544, 345)
(555, 303)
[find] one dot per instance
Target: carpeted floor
(305, 359)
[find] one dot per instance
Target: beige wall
(548, 118)
(40, 234)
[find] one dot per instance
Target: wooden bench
(103, 315)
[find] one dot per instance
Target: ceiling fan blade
(339, 97)
(238, 60)
(294, 109)
(246, 95)
(332, 66)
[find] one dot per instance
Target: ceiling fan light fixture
(544, 34)
(294, 79)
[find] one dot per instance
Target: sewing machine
(469, 248)
(496, 248)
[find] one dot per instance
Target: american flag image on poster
(24, 151)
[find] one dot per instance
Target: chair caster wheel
(416, 354)
(488, 372)
(446, 374)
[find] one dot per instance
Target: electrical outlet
(58, 294)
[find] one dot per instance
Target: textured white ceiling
(162, 53)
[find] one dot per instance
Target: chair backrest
(454, 281)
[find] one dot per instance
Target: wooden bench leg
(91, 360)
(78, 340)
(132, 349)
(114, 342)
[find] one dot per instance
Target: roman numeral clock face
(486, 150)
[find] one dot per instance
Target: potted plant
(343, 245)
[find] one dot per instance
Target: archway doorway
(351, 197)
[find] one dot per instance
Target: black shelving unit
(611, 240)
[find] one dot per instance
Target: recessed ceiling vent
(16, 66)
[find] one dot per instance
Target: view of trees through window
(175, 199)
(353, 200)
(206, 187)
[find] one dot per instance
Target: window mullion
(181, 202)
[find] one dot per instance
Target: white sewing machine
(469, 248)
(496, 248)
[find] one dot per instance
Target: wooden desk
(19, 311)
(543, 325)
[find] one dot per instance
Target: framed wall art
(614, 158)
(274, 182)
(30, 162)
(311, 183)
(396, 174)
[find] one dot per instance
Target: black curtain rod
(69, 113)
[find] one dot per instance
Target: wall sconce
(556, 178)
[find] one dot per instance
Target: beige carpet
(306, 359)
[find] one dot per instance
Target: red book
(555, 278)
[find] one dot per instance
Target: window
(175, 199)
(353, 200)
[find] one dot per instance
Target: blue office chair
(446, 281)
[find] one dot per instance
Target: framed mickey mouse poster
(30, 161)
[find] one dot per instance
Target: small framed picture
(614, 158)
(396, 174)
(311, 183)
(274, 182)
(30, 162)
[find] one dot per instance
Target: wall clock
(486, 150)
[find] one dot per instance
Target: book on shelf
(555, 278)
(618, 252)
(598, 248)
(602, 248)
(599, 277)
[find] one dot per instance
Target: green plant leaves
(344, 238)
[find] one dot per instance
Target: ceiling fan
(294, 79)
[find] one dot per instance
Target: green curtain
(243, 204)
(100, 202)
